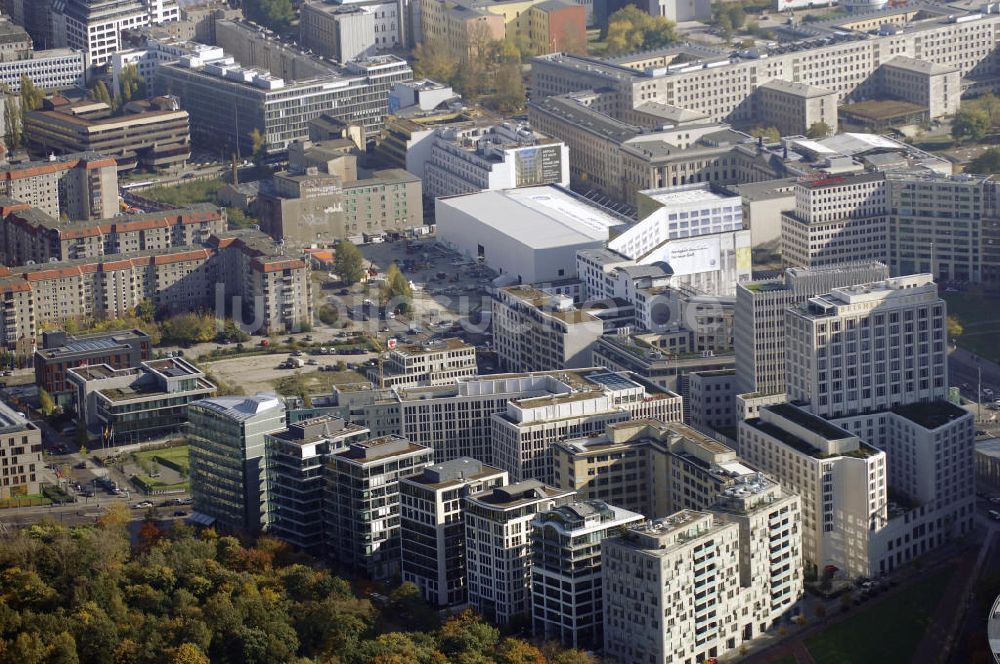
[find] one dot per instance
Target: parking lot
(446, 287)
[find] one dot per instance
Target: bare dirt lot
(259, 373)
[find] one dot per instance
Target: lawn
(889, 631)
(175, 457)
(933, 143)
(595, 46)
(150, 484)
(186, 193)
(33, 500)
(980, 317)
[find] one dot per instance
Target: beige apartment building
(21, 450)
(436, 362)
(31, 235)
(648, 466)
(532, 335)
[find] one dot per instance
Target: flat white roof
(537, 216)
(851, 144)
(684, 197)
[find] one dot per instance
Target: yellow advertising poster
(744, 258)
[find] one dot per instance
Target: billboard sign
(538, 165)
(699, 254)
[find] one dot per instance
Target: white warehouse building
(530, 234)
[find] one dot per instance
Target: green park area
(978, 316)
(164, 469)
(888, 631)
(187, 193)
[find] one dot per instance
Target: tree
(769, 134)
(188, 653)
(349, 267)
(818, 130)
(133, 86)
(987, 163)
(509, 95)
(12, 115)
(100, 93)
(48, 406)
(259, 143)
(955, 328)
(517, 651)
(737, 16)
(327, 314)
(970, 125)
(434, 60)
(31, 97)
(274, 14)
(630, 29)
(146, 310)
(397, 290)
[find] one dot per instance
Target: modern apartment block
(138, 403)
(95, 26)
(81, 186)
(666, 360)
(438, 362)
(698, 584)
(21, 444)
(221, 95)
(60, 352)
(868, 348)
(503, 156)
(226, 447)
(498, 546)
(523, 435)
(566, 602)
(31, 235)
(432, 526)
(362, 503)
(842, 482)
(455, 418)
(536, 331)
(294, 462)
(149, 133)
(648, 466)
(759, 321)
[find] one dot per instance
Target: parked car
(180, 513)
